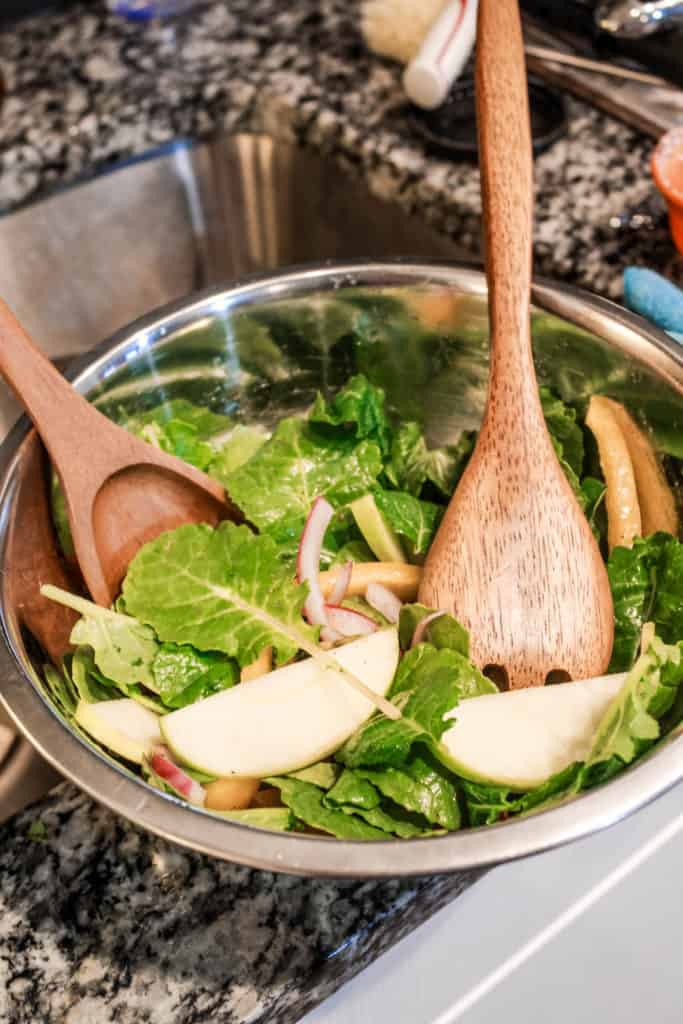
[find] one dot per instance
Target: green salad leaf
(412, 464)
(218, 590)
(274, 819)
(428, 684)
(358, 409)
(647, 586)
(183, 429)
(184, 675)
(324, 774)
(282, 479)
(631, 723)
(561, 422)
(445, 631)
(241, 443)
(422, 786)
(123, 647)
(410, 517)
(307, 803)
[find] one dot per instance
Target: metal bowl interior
(259, 351)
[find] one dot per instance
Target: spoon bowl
(120, 492)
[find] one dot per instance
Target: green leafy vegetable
(123, 647)
(353, 790)
(630, 724)
(421, 786)
(410, 517)
(353, 551)
(445, 631)
(428, 684)
(562, 426)
(281, 480)
(60, 517)
(647, 586)
(274, 819)
(241, 443)
(358, 409)
(307, 803)
(218, 590)
(323, 775)
(412, 464)
(61, 690)
(184, 675)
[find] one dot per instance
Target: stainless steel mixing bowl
(260, 350)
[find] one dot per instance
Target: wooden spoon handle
(61, 415)
(505, 157)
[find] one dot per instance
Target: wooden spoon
(120, 492)
(514, 558)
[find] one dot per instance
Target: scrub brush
(435, 41)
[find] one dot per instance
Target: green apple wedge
(286, 719)
(520, 738)
(122, 726)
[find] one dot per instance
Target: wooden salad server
(120, 492)
(514, 558)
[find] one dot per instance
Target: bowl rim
(108, 783)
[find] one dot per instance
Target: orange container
(667, 169)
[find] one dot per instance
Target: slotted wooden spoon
(120, 492)
(514, 558)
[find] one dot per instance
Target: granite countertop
(100, 921)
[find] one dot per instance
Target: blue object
(145, 10)
(655, 298)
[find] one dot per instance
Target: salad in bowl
(280, 672)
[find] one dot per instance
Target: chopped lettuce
(647, 586)
(422, 786)
(412, 465)
(241, 443)
(282, 479)
(357, 410)
(184, 675)
(415, 520)
(273, 819)
(218, 590)
(444, 631)
(123, 647)
(428, 684)
(307, 803)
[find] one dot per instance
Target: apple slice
(123, 726)
(286, 719)
(521, 737)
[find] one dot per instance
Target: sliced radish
(308, 559)
(349, 622)
(164, 767)
(338, 592)
(421, 628)
(382, 600)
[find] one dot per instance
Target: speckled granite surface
(101, 922)
(89, 88)
(98, 920)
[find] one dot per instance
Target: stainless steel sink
(89, 259)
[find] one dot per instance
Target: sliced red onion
(329, 637)
(384, 601)
(349, 622)
(308, 559)
(179, 780)
(421, 628)
(338, 592)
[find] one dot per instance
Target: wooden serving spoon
(514, 558)
(120, 492)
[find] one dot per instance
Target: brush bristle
(396, 28)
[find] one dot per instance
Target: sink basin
(105, 251)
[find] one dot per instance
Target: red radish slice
(164, 767)
(308, 559)
(421, 628)
(338, 592)
(384, 601)
(349, 622)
